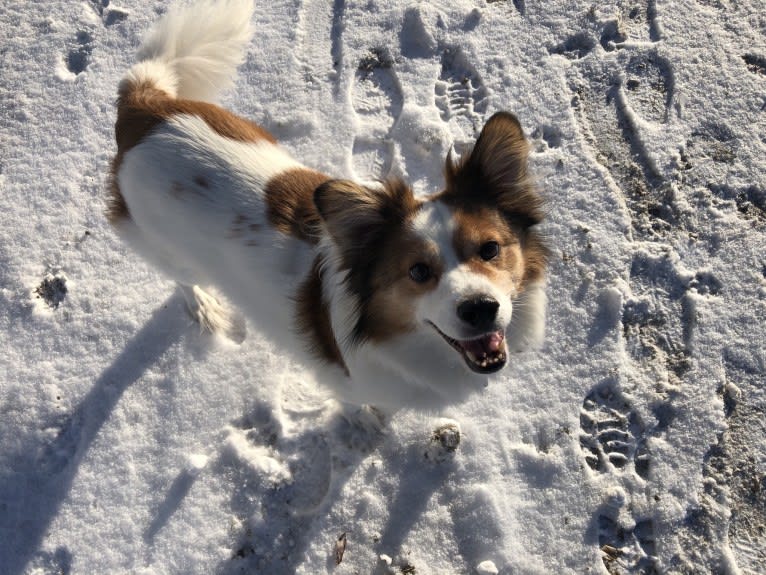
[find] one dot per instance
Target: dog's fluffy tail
(193, 51)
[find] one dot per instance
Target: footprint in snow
(615, 106)
(574, 47)
(755, 63)
(613, 440)
(627, 549)
(649, 86)
(460, 93)
(613, 436)
(57, 561)
(519, 5)
(78, 56)
(109, 13)
(377, 101)
(634, 22)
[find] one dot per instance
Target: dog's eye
(489, 250)
(420, 273)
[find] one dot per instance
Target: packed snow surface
(633, 442)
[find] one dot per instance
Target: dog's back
(205, 195)
(183, 63)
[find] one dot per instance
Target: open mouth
(485, 354)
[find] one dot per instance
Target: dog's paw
(212, 315)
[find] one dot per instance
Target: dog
(394, 300)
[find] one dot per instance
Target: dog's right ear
(356, 215)
(499, 157)
(495, 172)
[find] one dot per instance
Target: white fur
(160, 73)
(195, 50)
(185, 228)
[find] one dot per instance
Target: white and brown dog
(395, 300)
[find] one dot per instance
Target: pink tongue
(486, 345)
(495, 341)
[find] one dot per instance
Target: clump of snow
(196, 462)
(263, 461)
(486, 568)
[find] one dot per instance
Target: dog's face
(450, 266)
(474, 268)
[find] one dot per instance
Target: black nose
(479, 313)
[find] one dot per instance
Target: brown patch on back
(290, 201)
(312, 319)
(142, 107)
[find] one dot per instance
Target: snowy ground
(634, 442)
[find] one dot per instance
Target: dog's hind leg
(213, 315)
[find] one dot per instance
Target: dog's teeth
(471, 356)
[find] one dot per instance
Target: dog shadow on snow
(275, 520)
(275, 523)
(34, 486)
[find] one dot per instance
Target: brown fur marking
(290, 200)
(494, 173)
(142, 107)
(371, 228)
(313, 319)
(473, 229)
(390, 308)
(493, 176)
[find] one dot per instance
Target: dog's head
(449, 266)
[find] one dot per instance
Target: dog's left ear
(356, 215)
(495, 171)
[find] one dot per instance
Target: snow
(634, 440)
